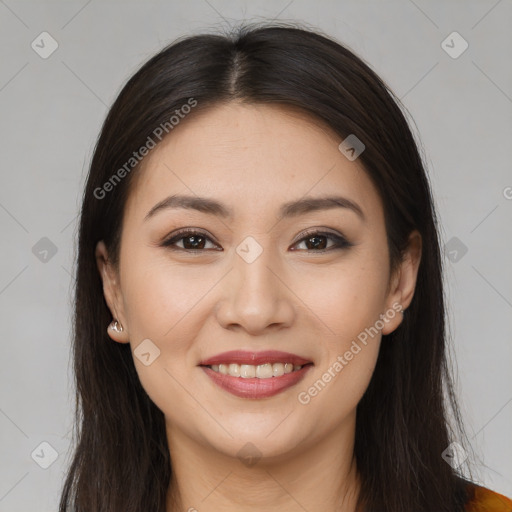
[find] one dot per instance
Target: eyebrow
(290, 209)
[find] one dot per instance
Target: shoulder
(484, 500)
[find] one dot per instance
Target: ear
(403, 282)
(112, 292)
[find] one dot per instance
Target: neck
(321, 476)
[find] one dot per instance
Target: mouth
(256, 375)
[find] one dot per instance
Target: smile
(256, 375)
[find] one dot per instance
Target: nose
(255, 296)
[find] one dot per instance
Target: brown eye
(191, 241)
(318, 242)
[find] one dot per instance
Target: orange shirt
(485, 500)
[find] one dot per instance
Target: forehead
(252, 157)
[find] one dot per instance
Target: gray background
(51, 112)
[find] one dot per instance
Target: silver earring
(116, 326)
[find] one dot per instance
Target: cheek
(160, 300)
(345, 298)
(342, 378)
(161, 296)
(349, 302)
(159, 304)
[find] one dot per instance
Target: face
(256, 274)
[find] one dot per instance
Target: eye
(193, 240)
(316, 241)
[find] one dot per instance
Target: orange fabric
(485, 500)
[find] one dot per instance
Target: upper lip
(254, 358)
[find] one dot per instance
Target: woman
(258, 234)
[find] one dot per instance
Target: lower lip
(254, 387)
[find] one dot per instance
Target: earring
(116, 326)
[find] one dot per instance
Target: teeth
(249, 371)
(277, 369)
(264, 371)
(234, 370)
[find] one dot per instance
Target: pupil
(194, 244)
(316, 245)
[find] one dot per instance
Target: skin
(191, 306)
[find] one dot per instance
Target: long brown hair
(121, 461)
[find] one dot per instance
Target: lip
(255, 388)
(255, 358)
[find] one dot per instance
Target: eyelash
(339, 241)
